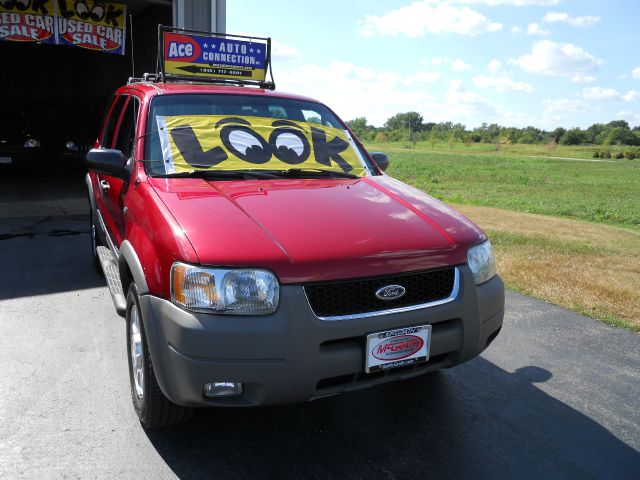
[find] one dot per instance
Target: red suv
(261, 256)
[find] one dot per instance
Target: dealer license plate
(5, 160)
(397, 348)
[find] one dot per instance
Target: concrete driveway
(555, 396)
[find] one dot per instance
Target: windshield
(214, 132)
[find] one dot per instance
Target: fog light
(222, 389)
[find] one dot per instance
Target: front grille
(351, 297)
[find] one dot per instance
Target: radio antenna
(133, 62)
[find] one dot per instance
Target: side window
(127, 130)
(107, 140)
(103, 122)
(276, 111)
(312, 116)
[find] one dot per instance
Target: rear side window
(107, 141)
(127, 131)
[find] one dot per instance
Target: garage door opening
(53, 98)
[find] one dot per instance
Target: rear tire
(153, 409)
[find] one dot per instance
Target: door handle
(104, 185)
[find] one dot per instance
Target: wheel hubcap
(137, 354)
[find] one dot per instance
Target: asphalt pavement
(555, 396)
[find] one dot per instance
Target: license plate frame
(398, 347)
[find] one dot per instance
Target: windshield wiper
(218, 174)
(298, 172)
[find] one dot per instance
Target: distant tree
(433, 139)
(407, 120)
(428, 126)
(487, 133)
(381, 137)
(557, 134)
(575, 136)
(622, 136)
(361, 128)
(619, 124)
(593, 131)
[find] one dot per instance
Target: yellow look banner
(226, 142)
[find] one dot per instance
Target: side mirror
(381, 160)
(107, 161)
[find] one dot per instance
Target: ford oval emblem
(391, 292)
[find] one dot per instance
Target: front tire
(153, 409)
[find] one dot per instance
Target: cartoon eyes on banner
(23, 5)
(96, 13)
(100, 11)
(288, 143)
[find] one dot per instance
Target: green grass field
(604, 192)
(538, 150)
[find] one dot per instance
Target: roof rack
(183, 56)
(146, 78)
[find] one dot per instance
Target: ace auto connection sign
(90, 24)
(208, 56)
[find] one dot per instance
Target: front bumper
(292, 356)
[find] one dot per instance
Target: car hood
(318, 229)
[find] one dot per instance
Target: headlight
(32, 143)
(71, 145)
(482, 262)
(230, 291)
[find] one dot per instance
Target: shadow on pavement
(474, 421)
(43, 255)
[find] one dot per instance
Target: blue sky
(545, 63)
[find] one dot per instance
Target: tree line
(411, 127)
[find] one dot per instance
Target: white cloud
(494, 66)
(349, 88)
(635, 73)
(600, 93)
(283, 53)
(459, 66)
(438, 60)
(631, 117)
(516, 29)
(468, 107)
(502, 84)
(583, 78)
(422, 17)
(423, 77)
(556, 110)
(555, 59)
(603, 93)
(566, 106)
(515, 3)
(534, 29)
(582, 22)
(279, 51)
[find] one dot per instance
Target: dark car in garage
(20, 145)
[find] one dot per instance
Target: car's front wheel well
(126, 277)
